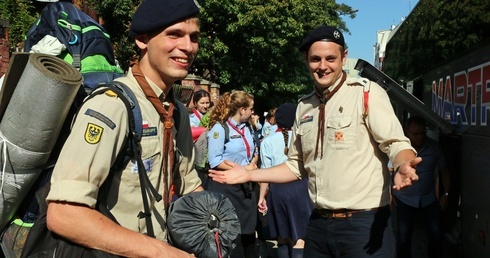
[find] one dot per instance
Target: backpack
(201, 147)
(88, 45)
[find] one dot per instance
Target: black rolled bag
(204, 224)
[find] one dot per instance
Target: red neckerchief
(197, 113)
(242, 133)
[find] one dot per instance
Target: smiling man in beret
(167, 33)
(344, 133)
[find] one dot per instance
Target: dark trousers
(431, 217)
(245, 247)
(365, 234)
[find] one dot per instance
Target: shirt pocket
(340, 132)
(151, 157)
(308, 136)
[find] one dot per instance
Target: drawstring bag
(204, 224)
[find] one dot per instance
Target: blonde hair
(228, 105)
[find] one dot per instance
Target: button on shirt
(352, 173)
(235, 149)
(422, 192)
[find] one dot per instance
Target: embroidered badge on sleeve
(93, 133)
(215, 135)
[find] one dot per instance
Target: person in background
(269, 124)
(289, 204)
(342, 148)
(421, 198)
(233, 111)
(201, 101)
(166, 33)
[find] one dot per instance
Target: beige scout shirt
(352, 173)
(96, 139)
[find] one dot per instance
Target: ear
(344, 57)
(142, 41)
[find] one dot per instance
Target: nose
(323, 64)
(187, 44)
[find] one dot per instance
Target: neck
(236, 119)
(165, 84)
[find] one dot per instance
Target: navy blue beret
(154, 15)
(285, 114)
(327, 33)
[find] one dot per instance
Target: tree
(436, 32)
(21, 15)
(252, 45)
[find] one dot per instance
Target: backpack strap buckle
(76, 61)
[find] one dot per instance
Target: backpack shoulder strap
(227, 132)
(366, 88)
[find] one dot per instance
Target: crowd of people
(321, 165)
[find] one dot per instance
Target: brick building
(4, 46)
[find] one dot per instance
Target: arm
(262, 203)
(445, 176)
(239, 174)
(99, 232)
(404, 163)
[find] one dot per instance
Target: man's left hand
(406, 174)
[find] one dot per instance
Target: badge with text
(93, 133)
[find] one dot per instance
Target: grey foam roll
(37, 109)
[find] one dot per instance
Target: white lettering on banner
(465, 90)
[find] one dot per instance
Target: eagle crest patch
(93, 133)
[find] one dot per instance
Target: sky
(372, 16)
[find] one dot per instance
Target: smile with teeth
(182, 60)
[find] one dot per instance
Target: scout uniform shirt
(195, 118)
(352, 173)
(96, 139)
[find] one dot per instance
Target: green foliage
(436, 32)
(21, 15)
(245, 44)
(252, 45)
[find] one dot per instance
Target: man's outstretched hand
(406, 174)
(236, 175)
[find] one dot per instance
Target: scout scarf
(165, 110)
(324, 97)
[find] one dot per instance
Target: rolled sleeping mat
(37, 109)
(204, 224)
(31, 125)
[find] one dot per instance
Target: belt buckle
(341, 215)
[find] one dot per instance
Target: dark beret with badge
(285, 114)
(153, 15)
(325, 33)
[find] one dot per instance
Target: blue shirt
(422, 192)
(272, 150)
(235, 149)
(268, 129)
(194, 119)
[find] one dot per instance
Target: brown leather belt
(340, 214)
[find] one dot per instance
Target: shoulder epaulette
(307, 96)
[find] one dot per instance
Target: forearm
(404, 156)
(277, 174)
(88, 227)
(446, 179)
(264, 188)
